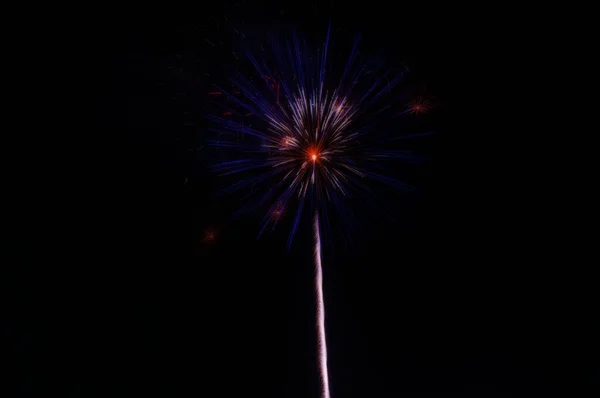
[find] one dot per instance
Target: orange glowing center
(313, 154)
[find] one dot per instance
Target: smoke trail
(321, 343)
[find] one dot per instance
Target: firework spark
(420, 105)
(210, 236)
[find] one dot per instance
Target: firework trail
(321, 340)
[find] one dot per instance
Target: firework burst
(312, 138)
(304, 135)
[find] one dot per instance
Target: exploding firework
(303, 135)
(312, 138)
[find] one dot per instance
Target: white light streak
(321, 341)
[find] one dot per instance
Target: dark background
(469, 297)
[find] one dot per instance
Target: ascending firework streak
(313, 144)
(321, 340)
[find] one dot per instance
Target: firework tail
(321, 341)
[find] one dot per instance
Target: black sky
(464, 299)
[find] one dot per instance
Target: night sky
(464, 297)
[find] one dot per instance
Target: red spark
(214, 93)
(287, 142)
(210, 236)
(277, 212)
(227, 113)
(420, 105)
